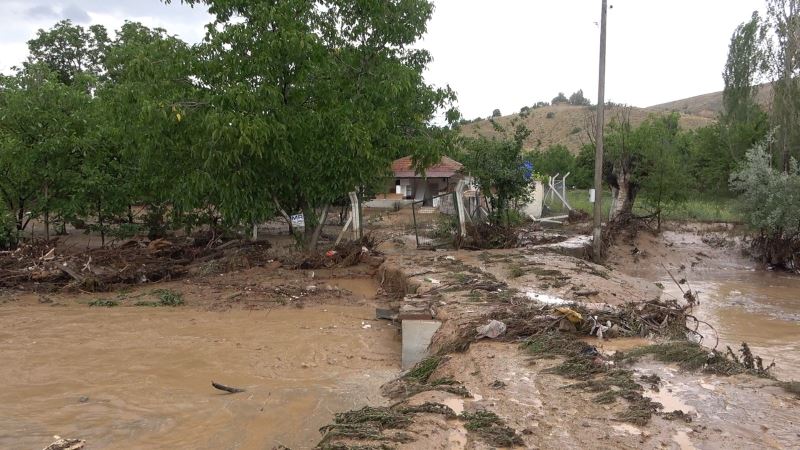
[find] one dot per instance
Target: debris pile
(40, 267)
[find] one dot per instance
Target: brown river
(742, 302)
(130, 377)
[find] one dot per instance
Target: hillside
(709, 105)
(567, 124)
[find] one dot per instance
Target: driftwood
(586, 293)
(66, 444)
(222, 387)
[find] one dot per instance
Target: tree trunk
(46, 215)
(313, 226)
(285, 216)
(625, 195)
(21, 215)
(102, 226)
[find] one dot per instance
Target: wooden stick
(222, 387)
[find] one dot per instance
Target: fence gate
(436, 220)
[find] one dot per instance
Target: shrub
(769, 200)
(9, 237)
(551, 114)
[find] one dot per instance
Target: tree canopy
(285, 105)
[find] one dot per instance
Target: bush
(9, 237)
(556, 159)
(496, 113)
(551, 114)
(769, 200)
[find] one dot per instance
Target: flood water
(140, 378)
(743, 303)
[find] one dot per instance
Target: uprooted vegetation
(610, 380)
(391, 425)
(595, 374)
(43, 268)
(156, 297)
(418, 379)
(693, 356)
(491, 428)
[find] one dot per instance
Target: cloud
(41, 12)
(75, 14)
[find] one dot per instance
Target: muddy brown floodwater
(131, 377)
(742, 302)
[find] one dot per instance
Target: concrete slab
(417, 335)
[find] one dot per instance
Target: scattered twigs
(697, 324)
(222, 387)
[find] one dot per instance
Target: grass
(515, 271)
(424, 369)
(491, 428)
(694, 209)
(166, 297)
(608, 383)
(689, 356)
(104, 303)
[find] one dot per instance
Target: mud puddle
(743, 303)
(140, 377)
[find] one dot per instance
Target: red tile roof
(446, 168)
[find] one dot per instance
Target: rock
(566, 326)
(83, 399)
(492, 330)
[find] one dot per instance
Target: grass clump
(168, 297)
(515, 271)
(689, 356)
(550, 345)
(102, 302)
(432, 408)
(491, 428)
(424, 369)
(595, 376)
(792, 387)
(381, 417)
(367, 423)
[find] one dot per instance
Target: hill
(567, 125)
(709, 105)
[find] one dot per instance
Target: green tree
(783, 67)
(578, 99)
(769, 200)
(70, 50)
(659, 171)
(584, 167)
(743, 122)
(498, 166)
(155, 128)
(557, 159)
(43, 124)
(560, 98)
(311, 99)
(647, 159)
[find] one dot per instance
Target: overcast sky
(494, 53)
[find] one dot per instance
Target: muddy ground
(305, 345)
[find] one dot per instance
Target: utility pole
(597, 241)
